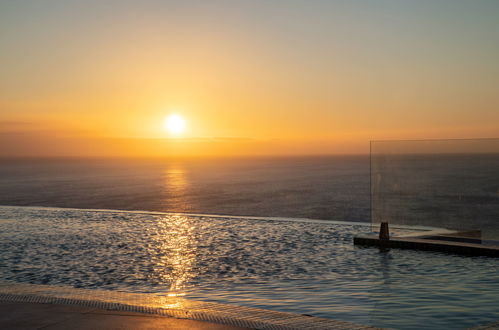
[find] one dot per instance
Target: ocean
(328, 188)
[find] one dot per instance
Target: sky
(98, 78)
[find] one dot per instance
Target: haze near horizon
(245, 78)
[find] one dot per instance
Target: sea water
(310, 187)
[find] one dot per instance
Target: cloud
(15, 125)
(45, 144)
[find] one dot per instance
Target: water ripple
(301, 267)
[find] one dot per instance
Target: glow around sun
(175, 124)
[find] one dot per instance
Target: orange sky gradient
(250, 78)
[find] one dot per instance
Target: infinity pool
(301, 266)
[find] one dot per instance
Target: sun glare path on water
(175, 124)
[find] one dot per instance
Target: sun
(175, 124)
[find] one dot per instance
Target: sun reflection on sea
(175, 188)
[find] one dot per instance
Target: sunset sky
(98, 78)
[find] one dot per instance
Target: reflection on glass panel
(451, 184)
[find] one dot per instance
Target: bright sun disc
(175, 124)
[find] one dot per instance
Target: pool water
(293, 265)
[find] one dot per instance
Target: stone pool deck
(29, 306)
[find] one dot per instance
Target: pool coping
(177, 307)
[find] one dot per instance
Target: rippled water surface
(308, 267)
